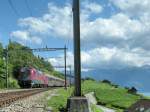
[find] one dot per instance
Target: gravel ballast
(35, 103)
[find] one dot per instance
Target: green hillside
(109, 95)
(20, 58)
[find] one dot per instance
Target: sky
(114, 33)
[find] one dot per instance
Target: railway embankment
(34, 103)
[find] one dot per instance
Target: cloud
(121, 39)
(92, 7)
(57, 22)
(108, 58)
(114, 58)
(34, 24)
(119, 30)
(25, 36)
(133, 7)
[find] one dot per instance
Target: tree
(2, 68)
(132, 90)
(106, 81)
(20, 56)
(89, 78)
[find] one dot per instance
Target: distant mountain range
(138, 77)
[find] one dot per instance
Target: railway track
(7, 98)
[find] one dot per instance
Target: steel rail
(7, 99)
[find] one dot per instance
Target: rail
(7, 99)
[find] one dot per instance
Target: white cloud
(36, 40)
(121, 39)
(34, 24)
(25, 36)
(60, 61)
(57, 22)
(108, 58)
(119, 30)
(92, 7)
(133, 7)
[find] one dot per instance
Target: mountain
(138, 77)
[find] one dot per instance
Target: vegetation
(59, 101)
(108, 95)
(21, 56)
(94, 108)
(2, 67)
(105, 93)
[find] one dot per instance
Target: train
(30, 77)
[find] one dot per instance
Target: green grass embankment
(59, 101)
(108, 95)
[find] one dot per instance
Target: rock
(90, 96)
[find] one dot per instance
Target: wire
(70, 27)
(13, 8)
(28, 7)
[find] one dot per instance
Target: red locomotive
(30, 77)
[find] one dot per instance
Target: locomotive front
(25, 77)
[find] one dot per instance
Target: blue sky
(114, 34)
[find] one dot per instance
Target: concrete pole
(77, 57)
(65, 56)
(77, 103)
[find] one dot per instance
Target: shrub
(13, 83)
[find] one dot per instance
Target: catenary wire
(13, 8)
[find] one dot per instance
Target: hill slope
(109, 95)
(20, 56)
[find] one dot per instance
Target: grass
(116, 97)
(59, 101)
(109, 95)
(94, 108)
(106, 94)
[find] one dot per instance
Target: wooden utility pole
(77, 57)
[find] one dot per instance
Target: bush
(13, 83)
(59, 102)
(2, 83)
